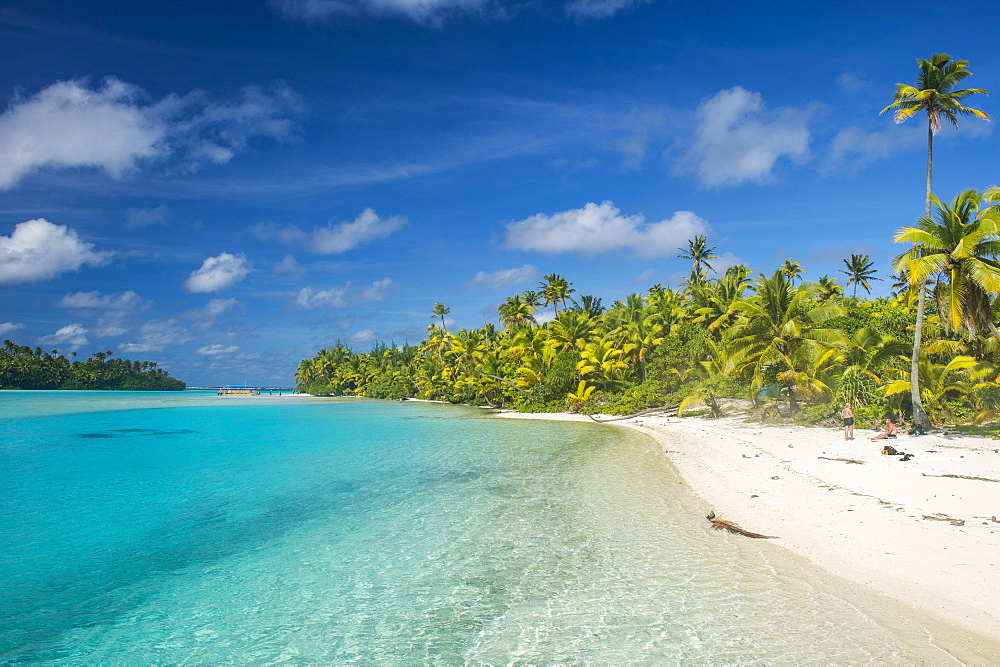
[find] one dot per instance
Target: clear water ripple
(193, 528)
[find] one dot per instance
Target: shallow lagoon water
(187, 527)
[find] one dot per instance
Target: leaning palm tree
(933, 93)
(859, 271)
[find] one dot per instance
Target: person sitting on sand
(848, 416)
(890, 431)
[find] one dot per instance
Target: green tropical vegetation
(787, 345)
(22, 367)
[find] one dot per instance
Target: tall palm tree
(440, 310)
(555, 290)
(933, 93)
(859, 271)
(792, 269)
(960, 244)
(699, 253)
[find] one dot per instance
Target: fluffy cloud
(7, 327)
(853, 148)
(215, 350)
(112, 127)
(362, 337)
(38, 250)
(204, 131)
(334, 238)
(74, 335)
(291, 266)
(342, 297)
(67, 125)
(156, 335)
(598, 228)
(344, 236)
(600, 9)
(308, 298)
(738, 140)
(127, 300)
(503, 278)
(115, 310)
(424, 11)
(205, 317)
(218, 273)
(378, 290)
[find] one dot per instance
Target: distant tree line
(22, 367)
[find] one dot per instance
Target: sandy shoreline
(919, 535)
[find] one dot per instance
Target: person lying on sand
(890, 431)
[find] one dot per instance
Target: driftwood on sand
(720, 524)
(978, 479)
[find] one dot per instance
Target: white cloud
(347, 235)
(308, 298)
(74, 335)
(503, 278)
(112, 127)
(214, 350)
(291, 266)
(7, 327)
(853, 148)
(598, 228)
(600, 9)
(115, 309)
(67, 125)
(334, 238)
(378, 290)
(156, 335)
(362, 337)
(738, 140)
(205, 316)
(424, 11)
(38, 250)
(342, 297)
(217, 273)
(127, 300)
(138, 218)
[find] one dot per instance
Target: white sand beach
(919, 539)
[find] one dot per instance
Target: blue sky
(226, 187)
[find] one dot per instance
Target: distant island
(22, 367)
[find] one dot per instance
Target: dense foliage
(791, 346)
(26, 368)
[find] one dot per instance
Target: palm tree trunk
(920, 420)
(930, 158)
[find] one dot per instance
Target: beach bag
(889, 451)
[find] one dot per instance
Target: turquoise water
(149, 527)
